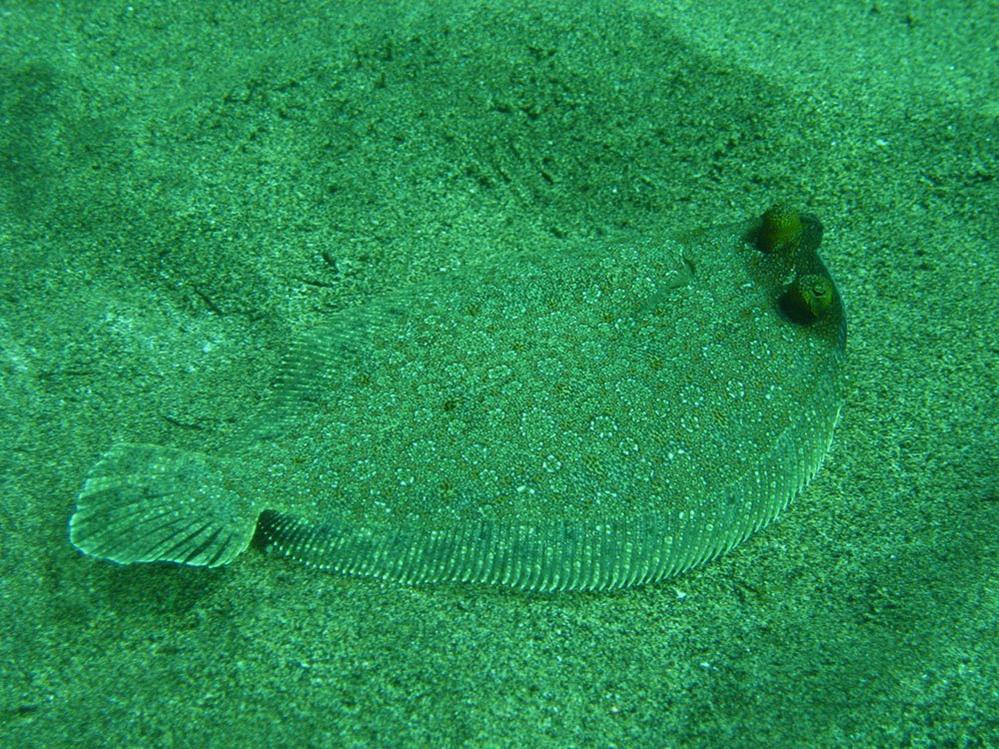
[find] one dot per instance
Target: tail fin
(144, 503)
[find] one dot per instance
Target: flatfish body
(599, 418)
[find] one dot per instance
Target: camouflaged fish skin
(597, 418)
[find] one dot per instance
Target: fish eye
(806, 299)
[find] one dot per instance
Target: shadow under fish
(599, 418)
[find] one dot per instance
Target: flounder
(597, 419)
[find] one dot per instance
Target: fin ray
(146, 503)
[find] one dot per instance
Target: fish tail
(146, 503)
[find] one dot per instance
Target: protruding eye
(779, 230)
(807, 299)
